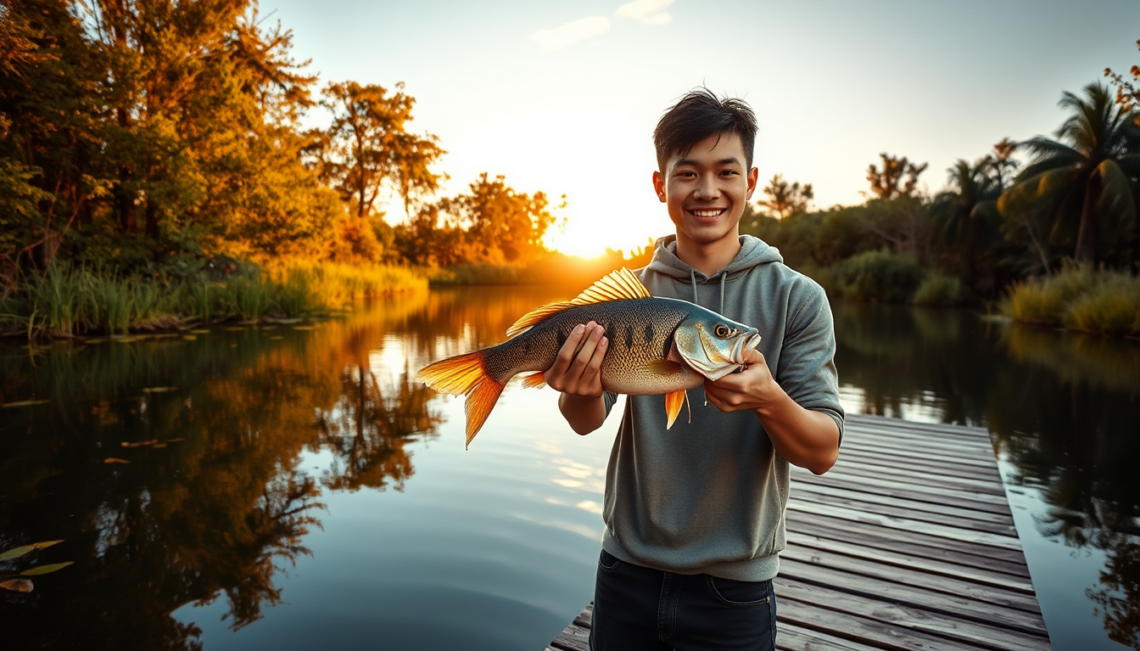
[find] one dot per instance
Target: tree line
(150, 136)
(999, 219)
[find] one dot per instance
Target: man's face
(706, 189)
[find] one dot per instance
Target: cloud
(645, 11)
(572, 32)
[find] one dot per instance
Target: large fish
(657, 345)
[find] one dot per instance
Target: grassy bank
(1079, 298)
(68, 301)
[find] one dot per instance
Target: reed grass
(939, 289)
(1079, 298)
(66, 301)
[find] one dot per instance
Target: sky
(562, 97)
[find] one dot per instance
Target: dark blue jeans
(641, 609)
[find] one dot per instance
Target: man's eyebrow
(731, 160)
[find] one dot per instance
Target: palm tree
(961, 210)
(1086, 175)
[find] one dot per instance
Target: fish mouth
(749, 342)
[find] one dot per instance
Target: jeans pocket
(609, 562)
(739, 593)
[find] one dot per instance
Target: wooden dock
(907, 543)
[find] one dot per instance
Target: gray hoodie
(709, 496)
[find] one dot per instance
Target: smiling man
(695, 515)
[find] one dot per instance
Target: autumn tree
(501, 223)
(784, 199)
(1127, 90)
(367, 149)
(898, 177)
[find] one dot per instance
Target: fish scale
(656, 346)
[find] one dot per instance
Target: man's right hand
(577, 371)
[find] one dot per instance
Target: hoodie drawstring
(693, 279)
(722, 277)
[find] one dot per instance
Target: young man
(695, 515)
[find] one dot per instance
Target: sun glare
(579, 153)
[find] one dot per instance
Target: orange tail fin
(464, 374)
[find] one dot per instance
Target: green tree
(784, 199)
(1083, 182)
(963, 211)
(899, 177)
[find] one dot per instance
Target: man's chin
(707, 233)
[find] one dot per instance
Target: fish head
(713, 345)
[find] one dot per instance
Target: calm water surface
(294, 487)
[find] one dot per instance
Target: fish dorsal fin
(617, 285)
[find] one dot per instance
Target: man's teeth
(707, 213)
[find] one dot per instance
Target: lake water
(292, 487)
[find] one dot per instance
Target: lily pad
(17, 585)
(303, 328)
(17, 552)
(115, 460)
(23, 403)
(189, 338)
(200, 332)
(46, 569)
(159, 389)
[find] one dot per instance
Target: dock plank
(907, 544)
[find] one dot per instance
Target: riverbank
(69, 301)
(1078, 298)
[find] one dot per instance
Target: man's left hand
(751, 388)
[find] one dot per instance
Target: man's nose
(707, 189)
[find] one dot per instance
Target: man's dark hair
(698, 115)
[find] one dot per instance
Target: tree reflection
(214, 503)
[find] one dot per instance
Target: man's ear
(659, 186)
(753, 177)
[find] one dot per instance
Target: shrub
(1080, 299)
(879, 276)
(937, 289)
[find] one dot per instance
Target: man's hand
(809, 439)
(577, 373)
(751, 388)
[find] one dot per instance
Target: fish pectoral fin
(535, 380)
(663, 367)
(673, 402)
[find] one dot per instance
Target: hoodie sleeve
(806, 369)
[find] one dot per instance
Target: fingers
(752, 356)
(577, 368)
(565, 356)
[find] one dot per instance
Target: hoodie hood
(753, 252)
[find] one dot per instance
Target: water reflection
(1063, 409)
(228, 497)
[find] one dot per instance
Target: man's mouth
(706, 214)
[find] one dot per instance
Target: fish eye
(721, 331)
